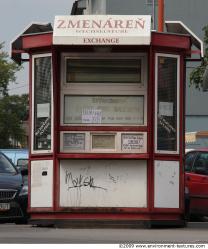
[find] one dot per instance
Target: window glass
(42, 103)
(103, 109)
(201, 164)
(103, 70)
(6, 166)
(167, 104)
(100, 141)
(189, 161)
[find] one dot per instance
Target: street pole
(160, 15)
(153, 14)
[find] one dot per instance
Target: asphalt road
(21, 234)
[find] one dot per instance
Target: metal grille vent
(7, 194)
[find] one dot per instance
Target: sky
(15, 15)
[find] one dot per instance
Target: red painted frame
(42, 156)
(161, 43)
(180, 156)
(37, 41)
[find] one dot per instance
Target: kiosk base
(58, 220)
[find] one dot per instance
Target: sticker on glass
(91, 116)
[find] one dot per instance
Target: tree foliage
(196, 76)
(13, 111)
(7, 71)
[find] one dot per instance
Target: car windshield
(6, 166)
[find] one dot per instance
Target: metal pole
(153, 14)
(160, 15)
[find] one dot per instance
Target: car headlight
(24, 190)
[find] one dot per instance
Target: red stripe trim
(102, 156)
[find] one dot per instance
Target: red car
(196, 182)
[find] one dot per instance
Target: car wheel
(21, 221)
(187, 209)
(196, 218)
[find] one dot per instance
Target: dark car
(13, 192)
(22, 163)
(196, 182)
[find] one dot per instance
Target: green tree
(197, 75)
(13, 111)
(7, 71)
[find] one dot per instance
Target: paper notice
(91, 116)
(43, 110)
(132, 141)
(166, 109)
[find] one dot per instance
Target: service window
(103, 90)
(98, 109)
(103, 70)
(99, 90)
(167, 104)
(41, 104)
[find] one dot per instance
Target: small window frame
(157, 55)
(33, 150)
(71, 83)
(118, 142)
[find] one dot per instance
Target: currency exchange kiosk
(106, 119)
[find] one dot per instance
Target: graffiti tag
(80, 181)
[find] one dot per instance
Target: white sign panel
(132, 141)
(102, 30)
(103, 183)
(43, 110)
(166, 186)
(74, 141)
(42, 183)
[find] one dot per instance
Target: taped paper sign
(166, 109)
(43, 110)
(74, 141)
(91, 116)
(132, 141)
